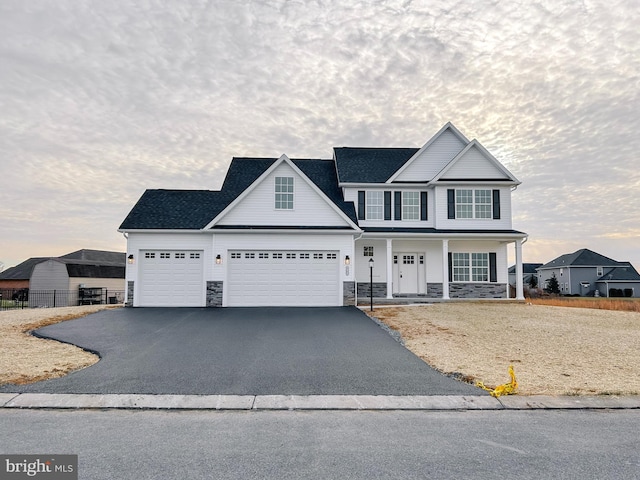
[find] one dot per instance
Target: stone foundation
(379, 290)
(129, 294)
(477, 290)
(348, 293)
(214, 294)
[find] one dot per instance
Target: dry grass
(555, 351)
(618, 304)
(27, 359)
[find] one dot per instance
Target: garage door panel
(279, 278)
(171, 278)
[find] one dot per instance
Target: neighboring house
(17, 277)
(528, 271)
(83, 268)
(586, 272)
(435, 220)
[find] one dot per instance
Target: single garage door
(283, 278)
(171, 278)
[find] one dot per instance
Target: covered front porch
(425, 267)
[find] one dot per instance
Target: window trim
(284, 193)
(370, 205)
(415, 207)
(471, 212)
(471, 267)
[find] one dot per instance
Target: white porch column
(445, 269)
(519, 286)
(389, 268)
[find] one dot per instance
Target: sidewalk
(312, 402)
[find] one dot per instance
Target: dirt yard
(25, 358)
(554, 350)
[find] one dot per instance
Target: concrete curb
(311, 402)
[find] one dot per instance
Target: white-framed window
(479, 267)
(367, 251)
(284, 193)
(318, 256)
(472, 267)
(179, 255)
(331, 256)
(482, 201)
(411, 205)
(250, 255)
(375, 205)
(276, 255)
(165, 255)
(473, 203)
(194, 255)
(291, 256)
(263, 255)
(460, 267)
(304, 256)
(236, 255)
(149, 255)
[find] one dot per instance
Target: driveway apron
(242, 351)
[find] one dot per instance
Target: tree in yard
(553, 287)
(533, 281)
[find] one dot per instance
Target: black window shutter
(398, 205)
(361, 205)
(423, 206)
(451, 203)
(496, 204)
(493, 270)
(387, 205)
(450, 267)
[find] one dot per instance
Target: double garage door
(283, 278)
(254, 278)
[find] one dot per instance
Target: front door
(407, 273)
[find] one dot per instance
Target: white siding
(442, 222)
(168, 241)
(433, 159)
(258, 207)
(474, 165)
(351, 195)
(479, 246)
(225, 242)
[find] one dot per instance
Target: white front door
(406, 266)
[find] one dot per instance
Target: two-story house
(587, 273)
(436, 221)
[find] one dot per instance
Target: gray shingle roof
(370, 165)
(23, 270)
(623, 273)
(582, 257)
(194, 209)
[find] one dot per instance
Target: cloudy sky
(100, 100)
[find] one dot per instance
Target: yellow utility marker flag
(506, 389)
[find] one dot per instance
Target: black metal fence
(26, 298)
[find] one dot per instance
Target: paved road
(242, 351)
(493, 445)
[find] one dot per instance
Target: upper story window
(284, 193)
(473, 203)
(375, 205)
(410, 205)
(599, 271)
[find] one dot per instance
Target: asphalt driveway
(242, 351)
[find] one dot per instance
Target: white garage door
(170, 278)
(283, 278)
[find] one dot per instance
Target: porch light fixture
(347, 260)
(218, 259)
(130, 259)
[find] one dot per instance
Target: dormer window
(284, 193)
